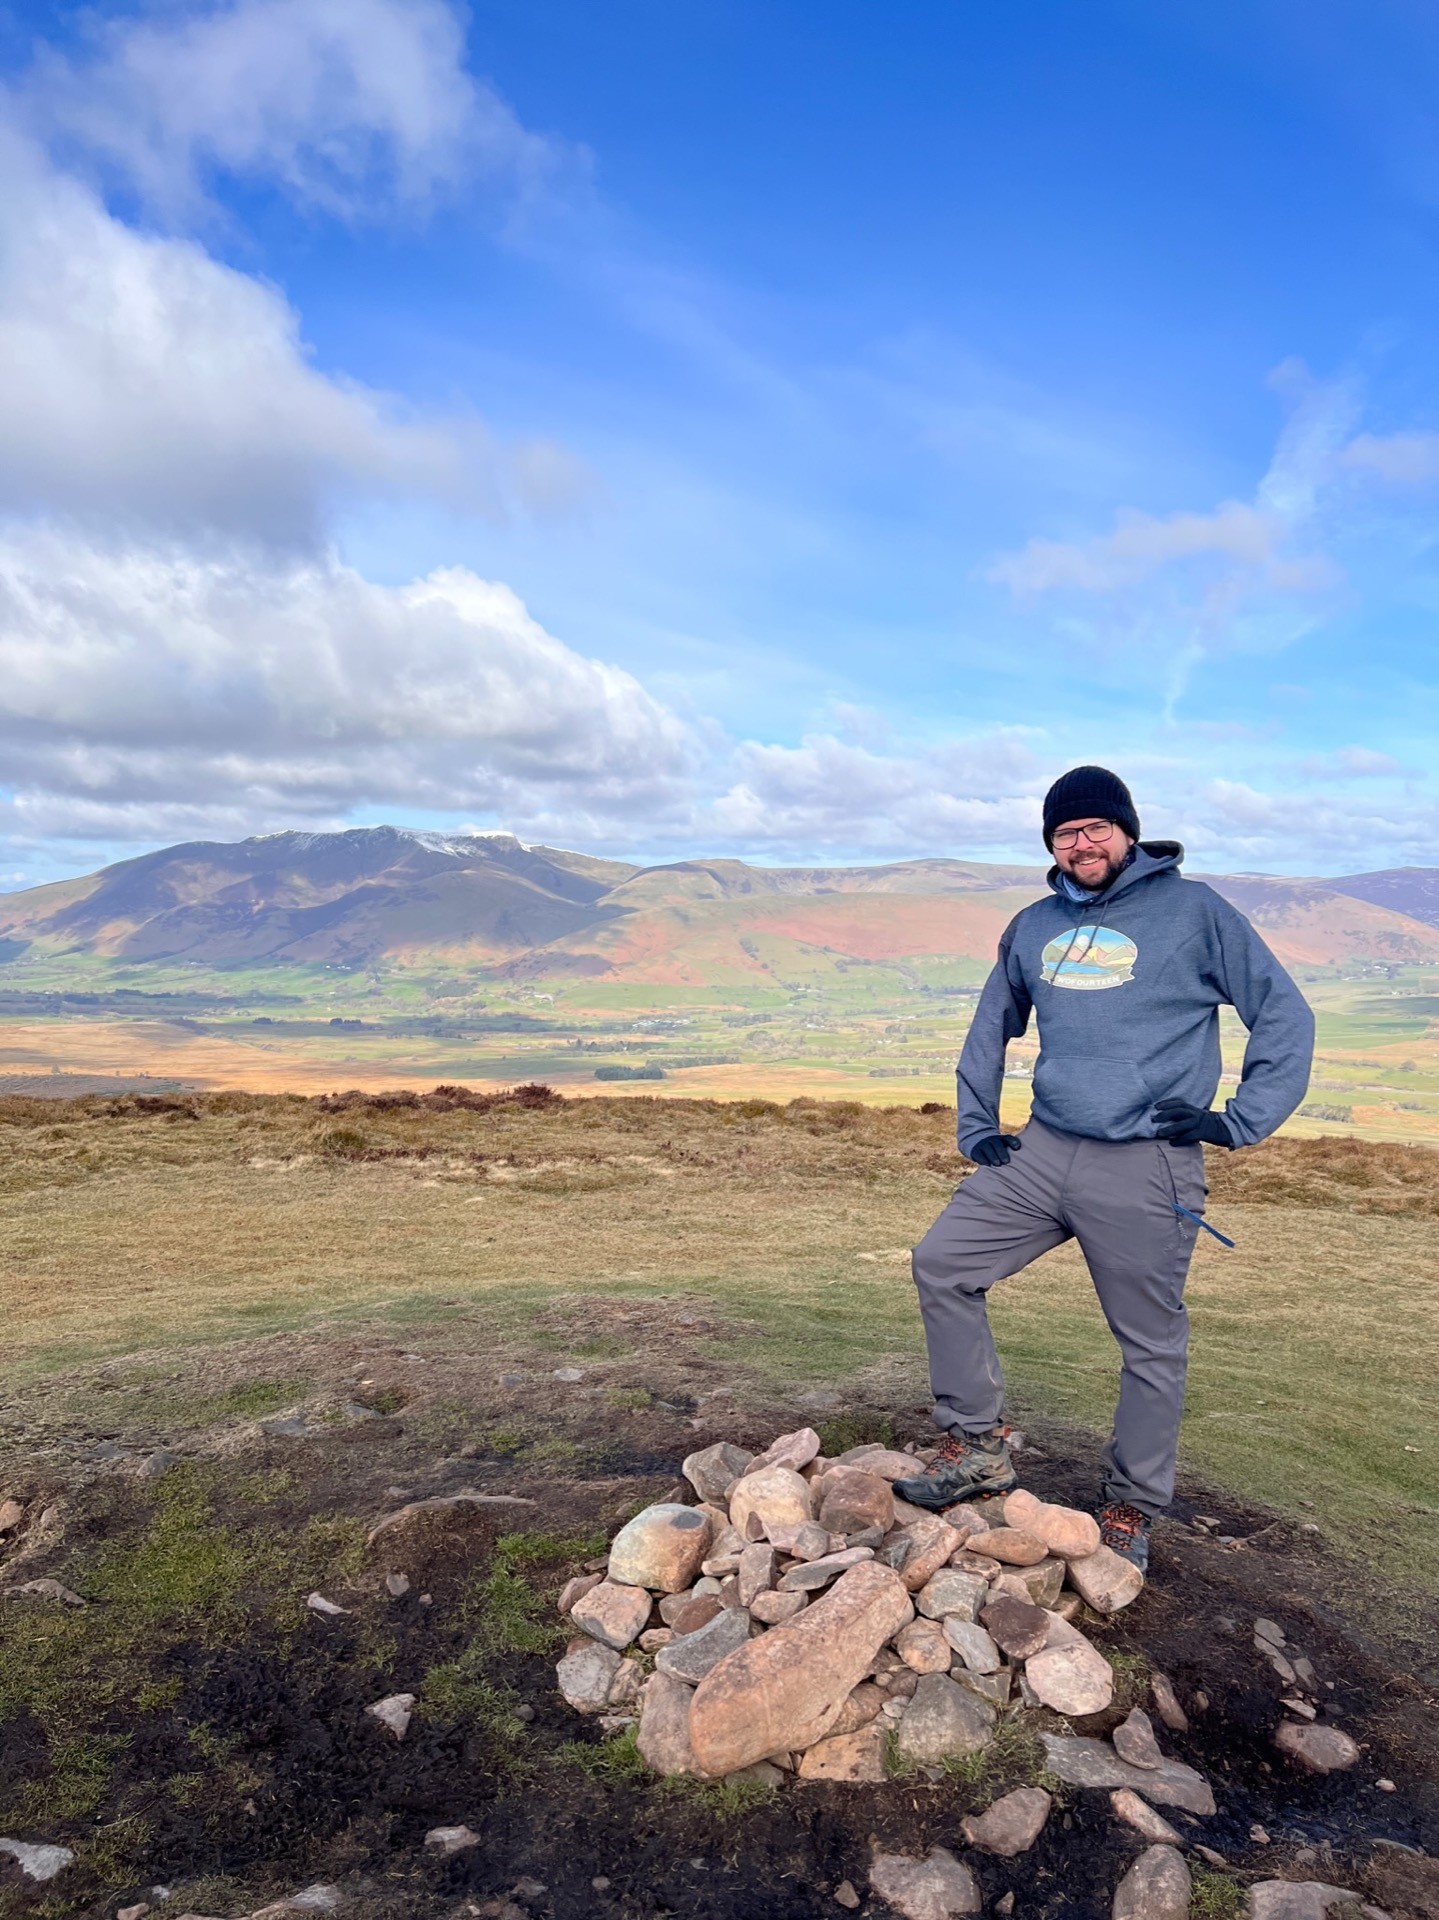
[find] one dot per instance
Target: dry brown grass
(133, 1224)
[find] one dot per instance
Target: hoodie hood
(1150, 857)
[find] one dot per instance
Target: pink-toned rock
(1166, 1703)
(664, 1731)
(1013, 1548)
(1316, 1749)
(1065, 1531)
(793, 1450)
(627, 1685)
(854, 1500)
(662, 1548)
(577, 1588)
(612, 1614)
(922, 1549)
(1069, 1673)
(776, 1497)
(1019, 1505)
(773, 1609)
(862, 1706)
(883, 1461)
(937, 1888)
(1104, 1581)
(923, 1647)
(1012, 1824)
(756, 1571)
(1156, 1887)
(967, 1522)
(1134, 1741)
(846, 1756)
(11, 1514)
(785, 1690)
(1138, 1814)
(653, 1638)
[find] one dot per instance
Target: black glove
(1186, 1126)
(994, 1149)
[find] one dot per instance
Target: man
(1125, 966)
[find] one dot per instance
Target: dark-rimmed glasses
(1096, 833)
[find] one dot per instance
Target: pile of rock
(801, 1615)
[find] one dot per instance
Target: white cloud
(148, 687)
(1403, 459)
(143, 383)
(832, 793)
(1139, 546)
(1351, 763)
(352, 107)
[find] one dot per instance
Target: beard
(1096, 879)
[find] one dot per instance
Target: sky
(788, 431)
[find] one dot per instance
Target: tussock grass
(135, 1224)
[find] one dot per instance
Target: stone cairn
(801, 1617)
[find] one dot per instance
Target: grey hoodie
(1127, 989)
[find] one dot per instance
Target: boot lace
(1120, 1525)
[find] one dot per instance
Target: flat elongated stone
(756, 1571)
(1012, 1824)
(846, 1756)
(936, 1888)
(776, 1497)
(1298, 1900)
(1156, 1887)
(883, 1461)
(943, 1719)
(1316, 1749)
(951, 1592)
(1013, 1548)
(1134, 1741)
(785, 1690)
(692, 1655)
(811, 1575)
(1138, 1814)
(793, 1450)
(993, 1687)
(664, 1730)
(35, 1860)
(697, 1611)
(711, 1470)
(1083, 1762)
(1064, 1530)
(1105, 1581)
(612, 1613)
(661, 1548)
(967, 1562)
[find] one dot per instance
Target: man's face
(1091, 850)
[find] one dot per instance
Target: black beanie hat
(1089, 792)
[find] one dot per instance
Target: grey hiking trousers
(1117, 1199)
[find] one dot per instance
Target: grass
(1216, 1897)
(126, 1231)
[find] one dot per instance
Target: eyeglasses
(1097, 833)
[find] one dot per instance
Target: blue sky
(788, 431)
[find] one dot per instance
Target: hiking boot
(1125, 1531)
(967, 1465)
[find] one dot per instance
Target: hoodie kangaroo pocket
(1104, 1098)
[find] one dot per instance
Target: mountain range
(387, 895)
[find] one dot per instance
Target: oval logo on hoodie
(1089, 958)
